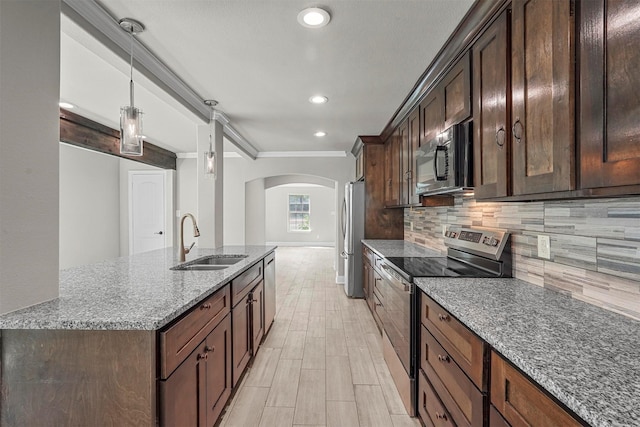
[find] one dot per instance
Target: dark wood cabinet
(491, 112)
(404, 146)
(393, 153)
(360, 165)
(247, 317)
(196, 392)
(609, 93)
(431, 116)
(414, 145)
(456, 92)
(542, 85)
(521, 402)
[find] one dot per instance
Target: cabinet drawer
(521, 402)
(469, 351)
(180, 339)
(495, 419)
(431, 410)
(460, 396)
(241, 285)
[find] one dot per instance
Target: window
(299, 212)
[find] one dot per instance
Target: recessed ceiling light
(320, 134)
(314, 17)
(65, 105)
(318, 99)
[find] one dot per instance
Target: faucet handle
(187, 250)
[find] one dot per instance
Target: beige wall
(595, 244)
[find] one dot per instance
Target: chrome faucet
(184, 251)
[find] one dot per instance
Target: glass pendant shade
(131, 135)
(210, 164)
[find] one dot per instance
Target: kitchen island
(96, 354)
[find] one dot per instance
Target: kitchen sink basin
(211, 262)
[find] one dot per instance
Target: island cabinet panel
(609, 96)
(242, 339)
(196, 393)
(491, 112)
(188, 332)
(78, 378)
(542, 81)
(243, 284)
(522, 403)
(257, 316)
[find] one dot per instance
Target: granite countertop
(585, 356)
(138, 292)
(400, 248)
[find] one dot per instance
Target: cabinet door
(432, 120)
(491, 97)
(609, 94)
(219, 363)
(405, 159)
(241, 327)
(456, 92)
(392, 175)
(183, 396)
(257, 316)
(365, 279)
(542, 68)
(414, 144)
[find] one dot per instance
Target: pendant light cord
(210, 131)
(131, 70)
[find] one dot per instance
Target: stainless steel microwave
(444, 164)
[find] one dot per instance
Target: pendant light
(210, 156)
(131, 135)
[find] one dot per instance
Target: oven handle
(401, 285)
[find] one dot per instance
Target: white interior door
(146, 211)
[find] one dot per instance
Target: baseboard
(307, 244)
(339, 279)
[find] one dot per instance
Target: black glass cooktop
(436, 267)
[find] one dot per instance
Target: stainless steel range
(472, 252)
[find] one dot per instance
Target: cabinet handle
(206, 306)
(202, 356)
(208, 349)
(441, 416)
(500, 136)
(444, 317)
(378, 304)
(517, 130)
(444, 359)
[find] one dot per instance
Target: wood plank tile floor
(321, 364)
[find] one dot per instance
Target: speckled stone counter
(585, 356)
(399, 248)
(139, 292)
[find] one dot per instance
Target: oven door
(436, 164)
(397, 315)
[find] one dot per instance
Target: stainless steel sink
(219, 260)
(210, 262)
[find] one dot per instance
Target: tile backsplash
(595, 244)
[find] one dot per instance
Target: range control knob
(494, 241)
(486, 241)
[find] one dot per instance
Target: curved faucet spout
(196, 233)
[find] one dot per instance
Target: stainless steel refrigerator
(352, 222)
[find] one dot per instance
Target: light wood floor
(321, 364)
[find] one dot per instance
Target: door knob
(158, 232)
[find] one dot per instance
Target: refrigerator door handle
(344, 255)
(343, 218)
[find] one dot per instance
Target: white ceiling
(262, 66)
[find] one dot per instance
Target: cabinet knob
(202, 356)
(441, 416)
(517, 130)
(206, 306)
(208, 349)
(500, 136)
(444, 317)
(444, 359)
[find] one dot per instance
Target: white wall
(89, 206)
(322, 216)
(29, 135)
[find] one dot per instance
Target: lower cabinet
(521, 402)
(196, 392)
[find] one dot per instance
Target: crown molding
(280, 154)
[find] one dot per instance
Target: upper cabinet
(542, 85)
(491, 118)
(414, 144)
(609, 93)
(456, 92)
